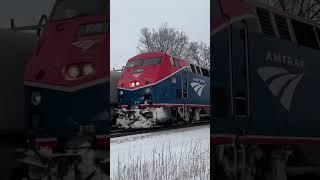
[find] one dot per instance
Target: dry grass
(192, 162)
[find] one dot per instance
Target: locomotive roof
(159, 54)
(272, 21)
(250, 6)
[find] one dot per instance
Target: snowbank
(173, 154)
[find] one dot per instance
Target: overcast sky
(25, 12)
(129, 16)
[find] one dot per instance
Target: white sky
(129, 16)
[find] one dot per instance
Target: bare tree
(204, 55)
(309, 9)
(198, 53)
(164, 39)
(175, 43)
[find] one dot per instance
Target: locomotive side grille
(265, 21)
(282, 27)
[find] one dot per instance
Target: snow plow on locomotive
(157, 89)
(265, 92)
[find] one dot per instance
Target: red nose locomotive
(157, 88)
(66, 82)
(265, 92)
(67, 79)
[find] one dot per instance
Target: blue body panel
(171, 91)
(293, 109)
(62, 113)
(284, 86)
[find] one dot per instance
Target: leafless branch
(175, 43)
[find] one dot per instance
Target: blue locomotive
(157, 88)
(265, 91)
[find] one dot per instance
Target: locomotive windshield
(143, 62)
(66, 9)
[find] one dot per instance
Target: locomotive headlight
(73, 71)
(36, 98)
(88, 69)
(132, 84)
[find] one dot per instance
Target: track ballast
(127, 132)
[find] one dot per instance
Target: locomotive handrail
(247, 68)
(37, 27)
(230, 71)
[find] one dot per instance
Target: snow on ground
(169, 155)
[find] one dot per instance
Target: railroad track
(127, 132)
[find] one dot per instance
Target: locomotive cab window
(171, 61)
(143, 62)
(152, 61)
(176, 62)
(66, 9)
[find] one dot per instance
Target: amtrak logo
(136, 75)
(86, 44)
(282, 83)
(279, 58)
(198, 88)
